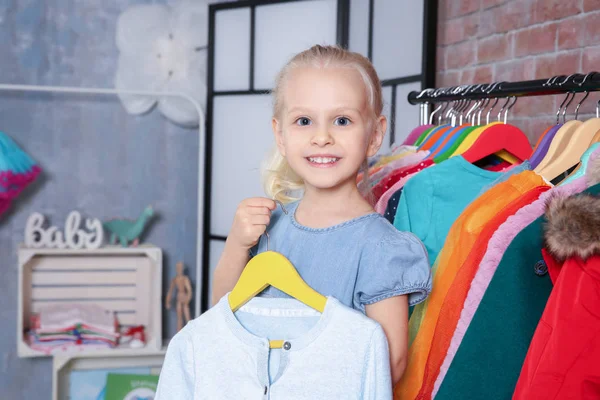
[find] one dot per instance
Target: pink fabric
(381, 205)
(414, 135)
(405, 161)
(497, 246)
(11, 184)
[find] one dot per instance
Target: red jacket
(563, 361)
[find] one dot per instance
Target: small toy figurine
(128, 230)
(184, 296)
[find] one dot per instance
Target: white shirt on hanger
(340, 354)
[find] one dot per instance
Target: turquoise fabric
(584, 163)
(489, 359)
(434, 198)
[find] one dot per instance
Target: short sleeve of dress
(397, 265)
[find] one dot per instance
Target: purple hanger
(542, 149)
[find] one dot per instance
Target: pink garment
(497, 246)
(414, 135)
(405, 161)
(381, 205)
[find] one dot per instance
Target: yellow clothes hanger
(576, 144)
(274, 269)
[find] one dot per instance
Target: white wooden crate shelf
(127, 281)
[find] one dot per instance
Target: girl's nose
(322, 138)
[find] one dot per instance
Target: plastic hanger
(453, 144)
(500, 139)
(542, 148)
(443, 138)
(471, 138)
(427, 134)
(505, 140)
(576, 145)
(441, 142)
(434, 137)
(273, 269)
(424, 135)
(415, 134)
(456, 140)
(468, 140)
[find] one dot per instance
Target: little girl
(327, 120)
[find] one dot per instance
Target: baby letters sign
(37, 236)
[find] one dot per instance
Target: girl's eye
(342, 121)
(303, 121)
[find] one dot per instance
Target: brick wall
(482, 41)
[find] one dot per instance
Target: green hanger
(463, 135)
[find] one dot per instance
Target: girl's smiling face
(326, 128)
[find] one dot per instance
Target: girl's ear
(277, 131)
(377, 136)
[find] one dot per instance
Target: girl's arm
(392, 315)
(250, 221)
(228, 271)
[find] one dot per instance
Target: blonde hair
(280, 181)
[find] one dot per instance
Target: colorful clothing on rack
(339, 354)
(398, 153)
(433, 200)
(514, 249)
(518, 284)
(407, 161)
(463, 235)
(395, 182)
(390, 180)
(414, 135)
(390, 211)
(403, 162)
(496, 248)
(562, 360)
(359, 262)
(457, 292)
(383, 201)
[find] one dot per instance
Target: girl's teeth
(322, 160)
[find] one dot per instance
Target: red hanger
(496, 138)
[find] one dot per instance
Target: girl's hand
(251, 219)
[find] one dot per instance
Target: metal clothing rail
(201, 125)
(540, 87)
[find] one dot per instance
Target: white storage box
(127, 281)
(63, 365)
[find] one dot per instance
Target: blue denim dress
(359, 262)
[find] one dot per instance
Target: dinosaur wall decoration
(127, 230)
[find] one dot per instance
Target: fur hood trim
(573, 226)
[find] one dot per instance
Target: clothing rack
(562, 84)
(201, 146)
